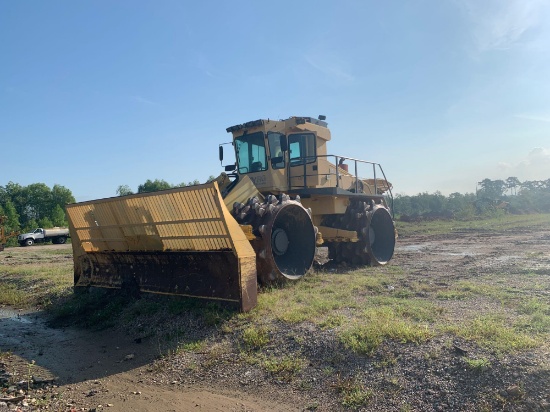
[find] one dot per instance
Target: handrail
(305, 160)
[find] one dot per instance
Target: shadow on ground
(72, 355)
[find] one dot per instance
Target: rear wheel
(375, 229)
(61, 240)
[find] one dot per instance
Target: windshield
(250, 149)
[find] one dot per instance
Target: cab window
(251, 155)
(302, 148)
(275, 152)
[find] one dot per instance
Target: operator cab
(273, 152)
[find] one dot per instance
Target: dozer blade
(181, 241)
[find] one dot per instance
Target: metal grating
(183, 219)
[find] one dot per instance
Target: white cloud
(539, 117)
(500, 25)
(329, 69)
(143, 100)
(534, 166)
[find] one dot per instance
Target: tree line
(155, 185)
(492, 197)
(37, 205)
(32, 206)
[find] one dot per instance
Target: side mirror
(284, 143)
(230, 168)
(221, 153)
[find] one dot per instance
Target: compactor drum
(283, 200)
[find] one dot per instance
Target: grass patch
(537, 323)
(38, 284)
(452, 295)
(56, 252)
(218, 350)
(193, 346)
(528, 323)
(536, 317)
(212, 313)
(388, 317)
(362, 339)
(493, 287)
(534, 306)
(477, 365)
(491, 331)
(414, 309)
(11, 295)
(332, 321)
(321, 295)
(386, 361)
(382, 323)
(504, 222)
(251, 358)
(96, 309)
(142, 307)
(354, 394)
(285, 368)
(360, 304)
(255, 337)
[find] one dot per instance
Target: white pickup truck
(57, 235)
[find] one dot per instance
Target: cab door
(277, 146)
(302, 160)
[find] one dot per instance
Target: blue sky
(96, 94)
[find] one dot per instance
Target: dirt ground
(76, 369)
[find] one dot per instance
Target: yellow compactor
(264, 219)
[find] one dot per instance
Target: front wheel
(285, 237)
(29, 242)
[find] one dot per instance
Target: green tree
(61, 196)
(124, 190)
(16, 194)
(492, 190)
(8, 210)
(461, 206)
(26, 205)
(38, 201)
(512, 183)
(153, 186)
(402, 205)
(30, 225)
(489, 196)
(45, 222)
(58, 217)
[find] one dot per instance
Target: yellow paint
(331, 234)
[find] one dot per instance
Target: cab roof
(260, 122)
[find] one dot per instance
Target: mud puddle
(94, 369)
(69, 355)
